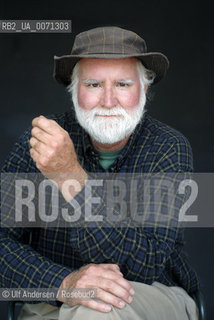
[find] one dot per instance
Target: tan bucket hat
(109, 43)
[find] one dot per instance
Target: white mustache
(116, 111)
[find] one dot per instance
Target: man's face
(108, 98)
(108, 83)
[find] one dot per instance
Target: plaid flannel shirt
(143, 254)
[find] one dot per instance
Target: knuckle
(37, 144)
(84, 278)
(38, 134)
(92, 268)
(40, 121)
(66, 135)
(50, 154)
(123, 282)
(117, 267)
(115, 300)
(43, 162)
(47, 126)
(79, 283)
(108, 285)
(62, 137)
(54, 144)
(118, 279)
(58, 139)
(32, 131)
(129, 286)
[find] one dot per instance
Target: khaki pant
(150, 302)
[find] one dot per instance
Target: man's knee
(150, 302)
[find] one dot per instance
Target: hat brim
(154, 61)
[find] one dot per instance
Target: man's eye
(122, 84)
(93, 85)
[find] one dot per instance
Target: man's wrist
(70, 183)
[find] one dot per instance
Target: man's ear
(145, 88)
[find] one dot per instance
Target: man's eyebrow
(126, 81)
(91, 81)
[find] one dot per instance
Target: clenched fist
(54, 153)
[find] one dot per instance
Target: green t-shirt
(107, 158)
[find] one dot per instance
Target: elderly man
(139, 273)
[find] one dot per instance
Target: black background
(184, 99)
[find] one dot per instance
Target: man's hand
(112, 288)
(54, 153)
(52, 148)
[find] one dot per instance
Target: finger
(110, 299)
(114, 276)
(110, 286)
(49, 126)
(104, 271)
(41, 160)
(45, 151)
(33, 142)
(34, 155)
(41, 135)
(115, 289)
(126, 284)
(122, 282)
(95, 305)
(40, 147)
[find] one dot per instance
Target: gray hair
(146, 76)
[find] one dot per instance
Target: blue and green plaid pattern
(143, 254)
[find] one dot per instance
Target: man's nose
(108, 99)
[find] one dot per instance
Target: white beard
(109, 130)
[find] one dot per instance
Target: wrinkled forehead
(125, 67)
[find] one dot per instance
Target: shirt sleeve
(141, 252)
(20, 265)
(23, 267)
